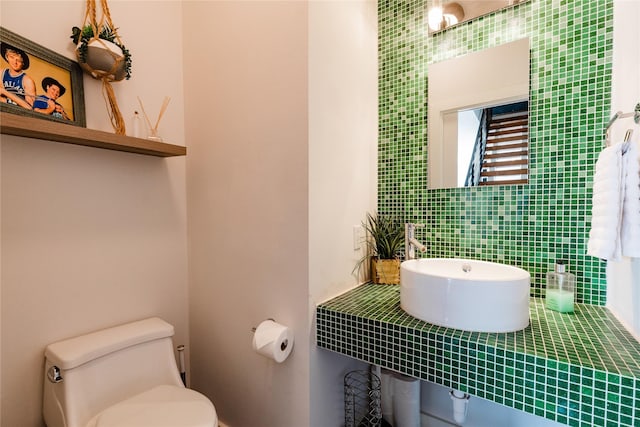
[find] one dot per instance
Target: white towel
(606, 214)
(630, 232)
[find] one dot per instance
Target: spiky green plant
(386, 234)
(385, 237)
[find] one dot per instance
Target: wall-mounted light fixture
(441, 15)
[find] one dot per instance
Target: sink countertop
(580, 369)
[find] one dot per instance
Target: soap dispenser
(560, 289)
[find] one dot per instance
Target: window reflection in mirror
(483, 82)
(492, 144)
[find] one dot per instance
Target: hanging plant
(88, 51)
(102, 54)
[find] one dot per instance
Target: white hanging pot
(104, 58)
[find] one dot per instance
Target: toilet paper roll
(273, 340)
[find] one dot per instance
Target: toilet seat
(162, 406)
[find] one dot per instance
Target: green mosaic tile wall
(531, 225)
(580, 369)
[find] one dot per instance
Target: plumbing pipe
(460, 405)
(183, 371)
(386, 386)
(406, 401)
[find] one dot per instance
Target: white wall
(435, 401)
(90, 237)
(343, 123)
(623, 278)
(247, 127)
(342, 171)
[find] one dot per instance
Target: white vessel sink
(471, 295)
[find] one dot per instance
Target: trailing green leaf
(81, 39)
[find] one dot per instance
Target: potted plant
(385, 242)
(104, 55)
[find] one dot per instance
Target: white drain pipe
(460, 405)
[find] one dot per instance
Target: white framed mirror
(494, 81)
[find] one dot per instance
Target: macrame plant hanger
(106, 76)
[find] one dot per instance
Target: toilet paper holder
(283, 345)
(255, 327)
(273, 340)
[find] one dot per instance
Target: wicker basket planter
(385, 271)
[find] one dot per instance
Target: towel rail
(620, 115)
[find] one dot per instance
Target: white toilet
(125, 376)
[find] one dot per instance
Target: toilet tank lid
(76, 351)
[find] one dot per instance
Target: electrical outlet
(358, 237)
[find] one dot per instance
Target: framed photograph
(40, 83)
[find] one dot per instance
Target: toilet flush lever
(54, 374)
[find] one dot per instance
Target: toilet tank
(99, 369)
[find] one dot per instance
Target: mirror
(490, 90)
(443, 14)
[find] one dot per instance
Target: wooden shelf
(29, 127)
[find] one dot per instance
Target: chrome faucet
(410, 241)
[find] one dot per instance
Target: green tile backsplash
(526, 225)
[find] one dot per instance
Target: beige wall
(1, 388)
(280, 125)
(276, 182)
(246, 123)
(90, 237)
